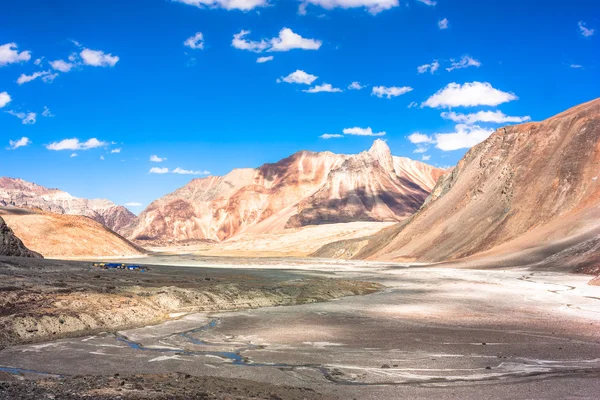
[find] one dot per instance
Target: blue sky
(435, 77)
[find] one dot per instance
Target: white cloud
(576, 66)
(468, 95)
(156, 170)
(326, 87)
(73, 155)
(61, 65)
(182, 171)
(585, 32)
(331, 136)
(261, 60)
(15, 144)
(4, 99)
(102, 158)
(239, 42)
(389, 92)
(362, 132)
(286, 41)
(49, 78)
(464, 137)
(298, 76)
(244, 5)
(356, 86)
(464, 62)
(420, 138)
(97, 58)
(428, 2)
(413, 104)
(115, 151)
(425, 157)
(28, 78)
(38, 61)
(155, 158)
(484, 116)
(434, 66)
(75, 144)
(133, 204)
(195, 42)
(27, 118)
(9, 54)
(47, 113)
(444, 23)
(372, 6)
(289, 40)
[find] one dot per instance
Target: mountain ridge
(266, 199)
(17, 192)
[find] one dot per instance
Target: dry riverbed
(437, 331)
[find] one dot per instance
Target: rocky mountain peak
(381, 152)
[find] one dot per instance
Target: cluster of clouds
(178, 170)
(303, 78)
(72, 144)
(464, 62)
(27, 118)
(468, 132)
(372, 6)
(10, 54)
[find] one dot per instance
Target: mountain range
(20, 193)
(304, 189)
(529, 192)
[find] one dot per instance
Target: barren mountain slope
(10, 245)
(521, 178)
(368, 187)
(20, 193)
(267, 199)
(59, 235)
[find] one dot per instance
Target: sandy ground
(295, 242)
(432, 333)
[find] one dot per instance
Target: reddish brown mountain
(63, 236)
(371, 186)
(525, 187)
(304, 189)
(20, 193)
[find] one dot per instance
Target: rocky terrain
(47, 299)
(173, 386)
(304, 189)
(10, 245)
(66, 236)
(20, 193)
(528, 186)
